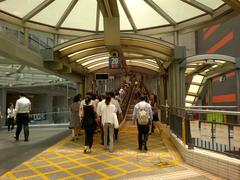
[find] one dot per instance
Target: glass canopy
(16, 75)
(134, 14)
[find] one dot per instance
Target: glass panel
(124, 22)
(193, 89)
(178, 10)
(189, 70)
(188, 104)
(94, 60)
(197, 79)
(190, 98)
(143, 15)
(19, 7)
(90, 67)
(140, 62)
(82, 16)
(214, 4)
(101, 28)
(52, 13)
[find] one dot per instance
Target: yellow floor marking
(159, 156)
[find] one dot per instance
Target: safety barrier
(215, 130)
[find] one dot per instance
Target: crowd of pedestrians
(103, 113)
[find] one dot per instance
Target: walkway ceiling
(199, 68)
(136, 50)
(16, 75)
(85, 15)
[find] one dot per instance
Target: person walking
(75, 123)
(88, 115)
(11, 116)
(23, 108)
(155, 122)
(142, 113)
(107, 114)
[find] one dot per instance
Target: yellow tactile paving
(66, 160)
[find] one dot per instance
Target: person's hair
(87, 100)
(22, 94)
(79, 96)
(76, 98)
(10, 104)
(111, 94)
(108, 99)
(94, 96)
(142, 97)
(89, 94)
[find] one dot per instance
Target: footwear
(25, 140)
(85, 151)
(140, 148)
(16, 138)
(145, 147)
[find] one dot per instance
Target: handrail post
(188, 132)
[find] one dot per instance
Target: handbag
(115, 121)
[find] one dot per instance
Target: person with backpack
(142, 113)
(88, 116)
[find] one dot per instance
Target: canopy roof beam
(161, 12)
(66, 13)
(199, 5)
(36, 10)
(128, 14)
(234, 4)
(97, 18)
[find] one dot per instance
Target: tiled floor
(66, 160)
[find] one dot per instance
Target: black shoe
(102, 143)
(26, 140)
(140, 148)
(16, 138)
(145, 147)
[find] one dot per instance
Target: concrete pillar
(3, 106)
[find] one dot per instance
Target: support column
(3, 106)
(55, 40)
(26, 38)
(176, 38)
(162, 97)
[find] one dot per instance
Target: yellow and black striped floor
(66, 160)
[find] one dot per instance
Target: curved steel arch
(208, 57)
(85, 47)
(134, 65)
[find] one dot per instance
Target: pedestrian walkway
(66, 160)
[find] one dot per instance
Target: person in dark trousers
(118, 111)
(23, 107)
(11, 116)
(88, 115)
(142, 129)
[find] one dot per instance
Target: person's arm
(150, 112)
(17, 107)
(134, 115)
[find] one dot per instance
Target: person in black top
(88, 114)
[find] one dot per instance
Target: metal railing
(180, 119)
(126, 100)
(58, 117)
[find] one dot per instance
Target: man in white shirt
(23, 107)
(142, 129)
